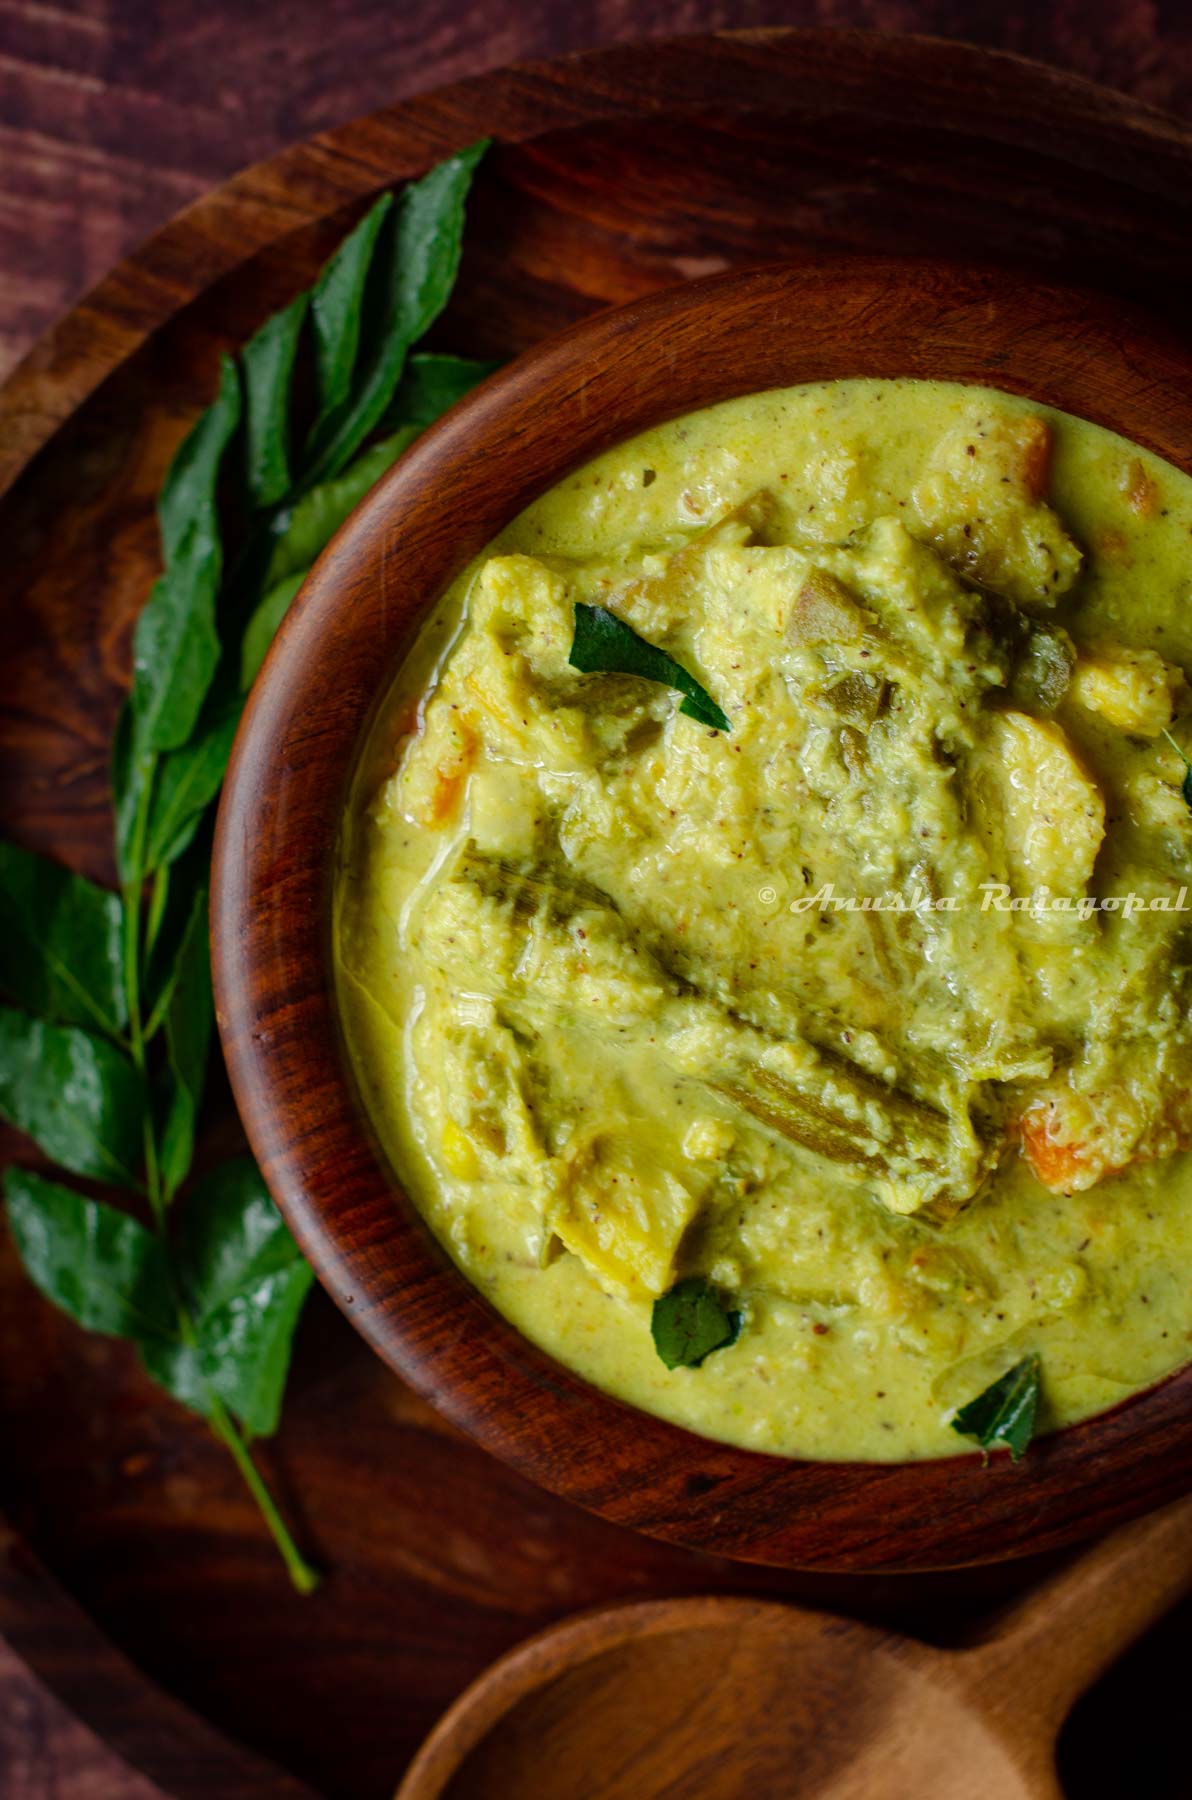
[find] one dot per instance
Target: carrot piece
(1062, 1160)
(451, 778)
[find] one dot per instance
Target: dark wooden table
(114, 114)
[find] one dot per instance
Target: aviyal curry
(763, 932)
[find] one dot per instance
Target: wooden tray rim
(266, 202)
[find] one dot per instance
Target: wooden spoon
(718, 1698)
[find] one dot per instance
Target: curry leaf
(1005, 1413)
(318, 515)
(175, 644)
(60, 943)
(185, 783)
(604, 644)
(241, 1279)
(175, 907)
(130, 771)
(243, 1283)
(189, 488)
(262, 628)
(188, 1023)
(412, 274)
(690, 1321)
(336, 304)
(99, 1265)
(76, 1095)
(431, 383)
(311, 524)
(267, 364)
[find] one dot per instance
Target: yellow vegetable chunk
(825, 612)
(982, 504)
(435, 775)
(622, 1216)
(1053, 812)
(1132, 689)
(458, 1154)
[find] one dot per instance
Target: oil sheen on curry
(818, 950)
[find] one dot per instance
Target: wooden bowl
(570, 398)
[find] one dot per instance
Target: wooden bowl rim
(573, 395)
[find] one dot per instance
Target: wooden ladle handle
(1047, 1649)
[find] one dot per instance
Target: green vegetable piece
(858, 697)
(604, 644)
(243, 1282)
(175, 644)
(690, 1321)
(1005, 1413)
(915, 1153)
(267, 364)
(76, 1095)
(60, 943)
(1186, 784)
(186, 781)
(413, 271)
(188, 1021)
(1042, 669)
(99, 1265)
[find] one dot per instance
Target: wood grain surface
(112, 114)
(48, 1753)
(116, 113)
(775, 1701)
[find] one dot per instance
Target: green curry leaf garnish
(60, 943)
(1186, 786)
(1004, 1414)
(104, 1053)
(690, 1321)
(76, 1094)
(605, 645)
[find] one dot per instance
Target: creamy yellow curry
(869, 1004)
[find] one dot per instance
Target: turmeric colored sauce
(873, 1009)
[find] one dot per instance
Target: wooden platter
(614, 175)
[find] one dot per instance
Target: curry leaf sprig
(603, 644)
(1006, 1413)
(104, 1049)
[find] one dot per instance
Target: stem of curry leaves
(223, 1426)
(187, 655)
(130, 898)
(304, 1578)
